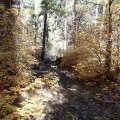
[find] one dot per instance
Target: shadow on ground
(78, 102)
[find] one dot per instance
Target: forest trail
(68, 99)
(33, 90)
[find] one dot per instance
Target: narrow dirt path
(68, 99)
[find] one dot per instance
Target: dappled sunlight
(15, 57)
(8, 67)
(59, 60)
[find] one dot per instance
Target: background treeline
(86, 33)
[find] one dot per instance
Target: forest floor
(52, 94)
(33, 90)
(69, 99)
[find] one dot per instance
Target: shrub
(85, 57)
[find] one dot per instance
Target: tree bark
(75, 22)
(109, 41)
(44, 32)
(36, 29)
(65, 28)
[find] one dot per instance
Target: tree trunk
(75, 22)
(44, 31)
(36, 30)
(109, 41)
(65, 28)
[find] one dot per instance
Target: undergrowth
(16, 79)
